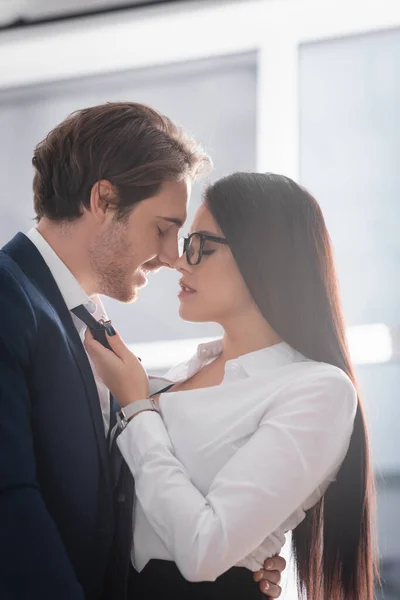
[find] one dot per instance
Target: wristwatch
(128, 412)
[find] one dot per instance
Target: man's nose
(169, 255)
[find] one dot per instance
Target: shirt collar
(272, 357)
(253, 363)
(70, 288)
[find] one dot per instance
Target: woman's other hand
(269, 578)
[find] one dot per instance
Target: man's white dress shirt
(74, 295)
(223, 472)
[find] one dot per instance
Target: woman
(280, 383)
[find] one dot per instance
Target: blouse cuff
(145, 436)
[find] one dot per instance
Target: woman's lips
(186, 291)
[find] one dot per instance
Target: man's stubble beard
(110, 262)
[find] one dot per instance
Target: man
(111, 187)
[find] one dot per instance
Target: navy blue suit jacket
(56, 515)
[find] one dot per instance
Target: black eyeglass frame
(203, 238)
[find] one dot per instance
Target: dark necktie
(123, 489)
(97, 328)
(98, 331)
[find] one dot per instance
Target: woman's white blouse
(225, 471)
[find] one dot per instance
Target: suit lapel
(27, 256)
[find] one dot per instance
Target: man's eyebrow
(176, 222)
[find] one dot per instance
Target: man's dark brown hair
(131, 145)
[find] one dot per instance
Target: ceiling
(24, 12)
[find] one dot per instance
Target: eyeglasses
(193, 246)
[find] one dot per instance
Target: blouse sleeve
(301, 440)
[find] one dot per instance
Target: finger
(88, 334)
(271, 576)
(277, 563)
(270, 590)
(96, 351)
(116, 343)
(89, 341)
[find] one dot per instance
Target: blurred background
(306, 88)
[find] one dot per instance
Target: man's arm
(33, 560)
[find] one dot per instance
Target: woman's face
(213, 291)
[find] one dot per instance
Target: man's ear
(102, 199)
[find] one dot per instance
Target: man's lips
(152, 267)
(144, 271)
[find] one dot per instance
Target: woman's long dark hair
(279, 240)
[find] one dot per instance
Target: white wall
(314, 95)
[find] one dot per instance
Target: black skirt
(162, 579)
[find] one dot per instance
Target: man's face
(123, 252)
